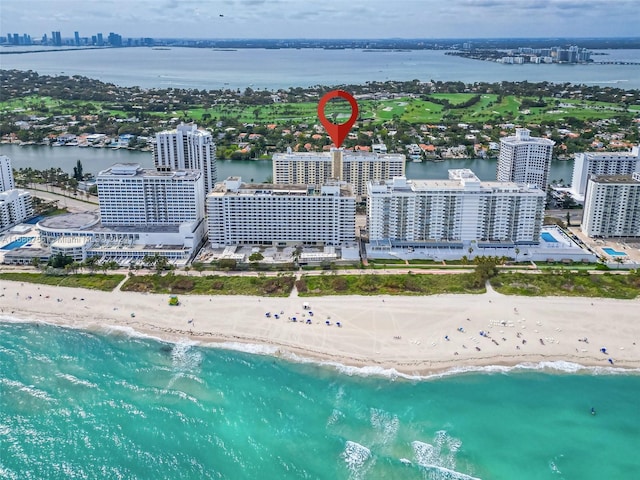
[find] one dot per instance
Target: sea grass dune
(413, 336)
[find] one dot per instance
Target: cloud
(325, 19)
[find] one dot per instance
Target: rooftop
(630, 179)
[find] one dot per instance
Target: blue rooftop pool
(34, 220)
(613, 253)
(547, 237)
(17, 243)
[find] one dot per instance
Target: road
(70, 203)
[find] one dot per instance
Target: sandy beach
(413, 335)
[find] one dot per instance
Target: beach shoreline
(399, 335)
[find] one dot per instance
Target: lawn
(81, 280)
(279, 286)
(411, 110)
(568, 284)
(407, 284)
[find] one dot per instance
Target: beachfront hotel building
(525, 159)
(16, 205)
(602, 163)
(130, 195)
(354, 168)
(612, 206)
(187, 148)
(456, 213)
(280, 214)
(143, 213)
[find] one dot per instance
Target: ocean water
(110, 404)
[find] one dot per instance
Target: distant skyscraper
(100, 40)
(612, 206)
(602, 163)
(188, 148)
(76, 36)
(525, 159)
(56, 39)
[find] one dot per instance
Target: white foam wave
(28, 389)
(440, 458)
(75, 380)
(429, 457)
(355, 457)
(183, 357)
(335, 417)
(385, 423)
(128, 332)
(254, 348)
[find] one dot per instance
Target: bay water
(97, 159)
(206, 68)
(111, 404)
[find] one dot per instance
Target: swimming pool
(34, 220)
(547, 237)
(17, 243)
(613, 253)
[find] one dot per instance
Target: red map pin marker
(338, 132)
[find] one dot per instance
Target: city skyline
(331, 19)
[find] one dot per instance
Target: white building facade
(130, 195)
(142, 213)
(525, 159)
(354, 168)
(280, 214)
(16, 205)
(454, 212)
(6, 174)
(602, 163)
(187, 148)
(612, 206)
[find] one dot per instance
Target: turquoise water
(547, 237)
(613, 252)
(17, 243)
(78, 404)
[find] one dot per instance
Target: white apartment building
(6, 174)
(525, 159)
(280, 214)
(454, 213)
(16, 206)
(602, 163)
(130, 195)
(354, 168)
(612, 206)
(187, 148)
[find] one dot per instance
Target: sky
(323, 18)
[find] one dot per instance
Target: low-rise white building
(612, 206)
(280, 214)
(82, 235)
